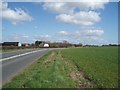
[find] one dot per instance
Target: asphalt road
(15, 62)
(8, 54)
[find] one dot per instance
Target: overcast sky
(80, 22)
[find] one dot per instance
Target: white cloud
(3, 6)
(14, 16)
(88, 36)
(69, 7)
(89, 4)
(63, 33)
(81, 13)
(25, 36)
(81, 18)
(74, 0)
(16, 38)
(57, 7)
(43, 37)
(90, 33)
(83, 33)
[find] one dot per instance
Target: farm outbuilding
(46, 45)
(11, 44)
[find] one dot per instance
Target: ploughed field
(89, 67)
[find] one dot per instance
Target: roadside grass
(100, 64)
(93, 67)
(51, 71)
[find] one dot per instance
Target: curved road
(15, 62)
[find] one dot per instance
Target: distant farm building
(42, 43)
(11, 44)
(46, 45)
(39, 43)
(19, 44)
(25, 44)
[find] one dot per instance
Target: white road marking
(4, 59)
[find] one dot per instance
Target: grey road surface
(12, 67)
(8, 54)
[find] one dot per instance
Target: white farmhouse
(19, 44)
(46, 45)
